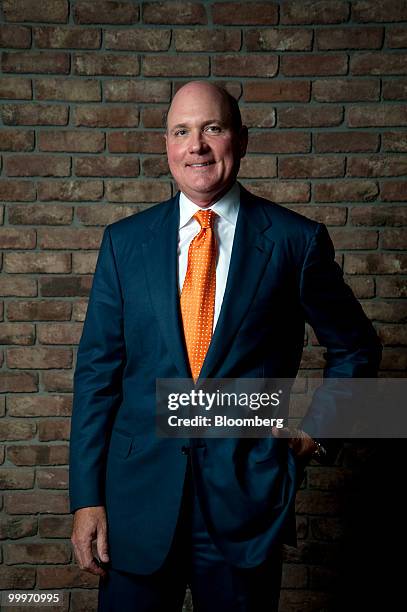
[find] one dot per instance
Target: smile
(203, 165)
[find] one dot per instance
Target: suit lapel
(252, 247)
(161, 265)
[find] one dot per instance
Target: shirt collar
(227, 207)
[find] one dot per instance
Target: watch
(319, 453)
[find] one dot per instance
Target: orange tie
(198, 292)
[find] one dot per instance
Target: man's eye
(213, 128)
(180, 132)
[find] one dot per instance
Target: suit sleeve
(353, 348)
(97, 382)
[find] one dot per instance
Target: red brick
(39, 358)
(314, 11)
(105, 64)
(136, 142)
(138, 39)
(394, 359)
(350, 38)
(124, 90)
(175, 66)
(317, 502)
(18, 286)
(39, 214)
(346, 90)
(396, 37)
(256, 166)
(326, 528)
(56, 381)
(51, 430)
(30, 503)
(15, 88)
(97, 215)
(394, 141)
(52, 478)
(387, 312)
(373, 115)
(258, 116)
(281, 192)
(391, 287)
(386, 10)
(310, 116)
(195, 40)
(294, 576)
(362, 286)
(155, 166)
(84, 263)
(346, 191)
(393, 239)
(75, 141)
(59, 333)
(13, 429)
(40, 263)
(259, 65)
(105, 11)
(55, 526)
(17, 527)
(107, 166)
(376, 263)
(34, 114)
(245, 13)
(278, 39)
(66, 286)
(12, 478)
(31, 10)
(344, 142)
(392, 335)
(38, 454)
(35, 61)
(154, 116)
(66, 37)
(137, 191)
(315, 166)
(16, 140)
(36, 552)
(379, 215)
(395, 89)
(106, 116)
(39, 405)
(15, 37)
(280, 142)
(82, 601)
(17, 333)
(65, 577)
(68, 90)
(379, 63)
(17, 577)
(177, 13)
(377, 165)
(314, 65)
(394, 191)
(355, 239)
(11, 238)
(18, 381)
(37, 165)
(277, 91)
(330, 215)
(69, 238)
(39, 310)
(71, 191)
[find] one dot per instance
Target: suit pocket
(121, 444)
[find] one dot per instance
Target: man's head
(205, 141)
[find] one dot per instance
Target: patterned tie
(198, 292)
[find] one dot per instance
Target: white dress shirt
(226, 209)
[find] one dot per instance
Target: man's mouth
(201, 165)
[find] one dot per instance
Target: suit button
(185, 450)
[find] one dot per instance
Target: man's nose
(197, 142)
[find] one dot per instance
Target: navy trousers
(193, 561)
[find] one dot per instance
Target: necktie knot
(205, 218)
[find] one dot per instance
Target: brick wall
(84, 85)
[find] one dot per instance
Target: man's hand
(301, 443)
(90, 524)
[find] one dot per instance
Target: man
(213, 283)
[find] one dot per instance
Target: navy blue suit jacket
(282, 273)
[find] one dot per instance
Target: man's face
(203, 148)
